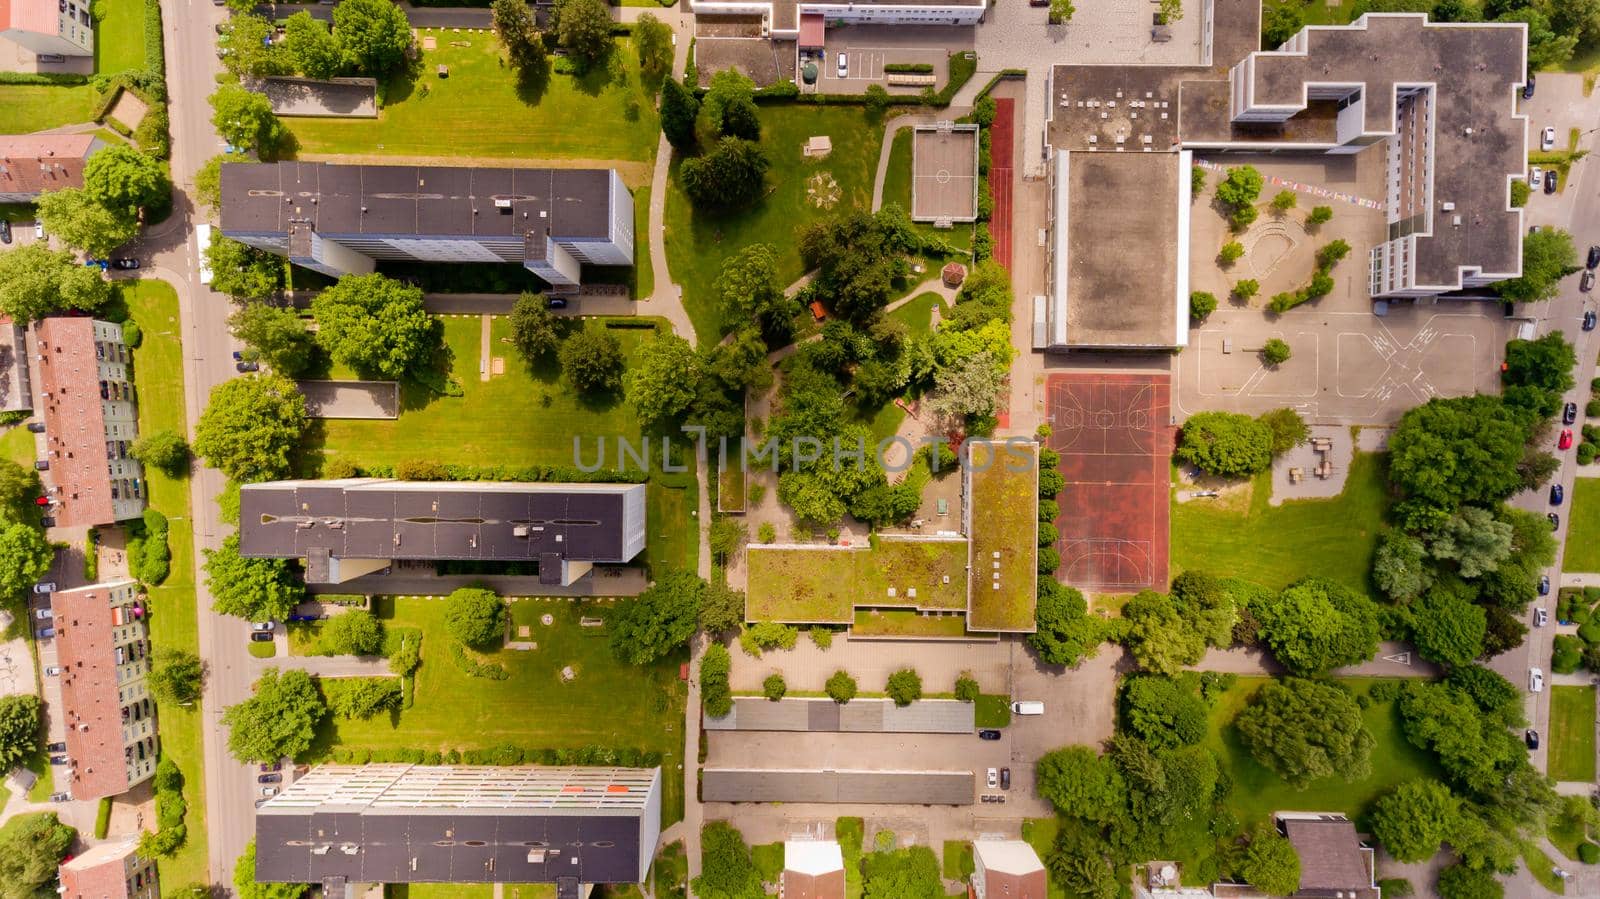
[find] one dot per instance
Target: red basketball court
(1114, 435)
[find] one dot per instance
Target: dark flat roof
(401, 200)
(366, 518)
(1122, 266)
(872, 787)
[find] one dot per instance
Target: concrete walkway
(889, 131)
(1394, 659)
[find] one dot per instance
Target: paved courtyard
(870, 47)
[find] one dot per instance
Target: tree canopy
(909, 873)
(243, 272)
(1548, 255)
(1414, 818)
(1270, 863)
(125, 180)
(1538, 372)
(662, 383)
(25, 556)
(314, 50)
(276, 335)
(78, 219)
(279, 721)
(1081, 783)
(730, 175)
(476, 616)
(584, 27)
(163, 450)
(375, 35)
(1304, 730)
(748, 290)
(246, 886)
(19, 728)
(592, 360)
(35, 280)
(375, 325)
(1226, 444)
(253, 589)
(356, 632)
(1065, 632)
(1162, 711)
(534, 328)
(726, 868)
(858, 258)
(1159, 637)
(1452, 451)
(1317, 625)
(252, 427)
(245, 119)
(659, 620)
(519, 34)
(32, 847)
(175, 676)
(1448, 627)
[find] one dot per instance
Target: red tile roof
(101, 872)
(34, 163)
(74, 419)
(91, 708)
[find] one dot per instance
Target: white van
(1027, 707)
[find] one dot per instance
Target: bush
(1049, 560)
(1246, 289)
(102, 818)
(774, 687)
(966, 687)
(841, 687)
(131, 335)
(1566, 654)
(1588, 853)
(904, 687)
(1201, 304)
(471, 667)
(1230, 252)
(821, 636)
(1586, 453)
(767, 533)
(908, 68)
(715, 697)
(1319, 215)
(1592, 408)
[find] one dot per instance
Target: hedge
(102, 818)
(49, 78)
(155, 52)
(471, 667)
(908, 68)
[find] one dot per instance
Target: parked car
(47, 522)
(41, 465)
(992, 778)
(988, 735)
(58, 760)
(268, 792)
(1531, 738)
(45, 587)
(1544, 586)
(844, 65)
(1541, 616)
(261, 637)
(60, 797)
(1551, 178)
(1554, 519)
(36, 427)
(1589, 319)
(125, 264)
(1586, 283)
(1535, 179)
(1535, 680)
(1594, 257)
(1527, 87)
(44, 632)
(1005, 778)
(1547, 140)
(1557, 494)
(43, 614)
(1569, 414)
(243, 367)
(262, 625)
(269, 778)
(55, 747)
(558, 303)
(1027, 707)
(1565, 441)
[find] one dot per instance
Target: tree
(315, 52)
(1320, 215)
(32, 847)
(858, 258)
(748, 289)
(245, 885)
(584, 28)
(1230, 252)
(1399, 566)
(1449, 452)
(1275, 352)
(1306, 730)
(660, 620)
(1495, 696)
(252, 589)
(721, 608)
(175, 676)
(1281, 22)
(731, 176)
(653, 39)
(354, 633)
(164, 450)
(1065, 632)
(1202, 304)
(278, 721)
(592, 360)
(475, 616)
(375, 325)
(910, 873)
(877, 98)
(1413, 819)
(1476, 751)
(1473, 539)
(375, 35)
(1225, 444)
(1270, 863)
(1240, 187)
(519, 33)
(19, 487)
(1283, 201)
(1161, 711)
(662, 383)
(24, 558)
(1546, 48)
(362, 697)
(1548, 255)
(1317, 625)
(19, 728)
(970, 387)
(1081, 862)
(1081, 783)
(1197, 180)
(679, 108)
(253, 51)
(125, 180)
(967, 689)
(1537, 372)
(276, 335)
(1330, 253)
(904, 686)
(774, 687)
(726, 869)
(1288, 429)
(251, 427)
(1061, 11)
(35, 280)
(1462, 882)
(841, 687)
(243, 272)
(728, 88)
(1159, 638)
(534, 328)
(79, 220)
(244, 118)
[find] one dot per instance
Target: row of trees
(724, 167)
(369, 37)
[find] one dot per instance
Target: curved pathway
(889, 131)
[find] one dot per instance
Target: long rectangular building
(348, 527)
(340, 219)
(570, 826)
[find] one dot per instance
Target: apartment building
(111, 870)
(85, 396)
(103, 651)
(32, 164)
(343, 219)
(63, 27)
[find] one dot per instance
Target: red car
(1566, 439)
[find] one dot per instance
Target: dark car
(58, 760)
(1554, 519)
(988, 735)
(1589, 320)
(41, 465)
(246, 366)
(269, 778)
(1586, 283)
(261, 637)
(1531, 738)
(36, 427)
(1594, 257)
(271, 766)
(1550, 179)
(1005, 778)
(1569, 414)
(1557, 494)
(125, 264)
(5, 231)
(558, 303)
(55, 747)
(237, 355)
(47, 522)
(1544, 585)
(1527, 87)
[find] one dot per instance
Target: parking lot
(868, 48)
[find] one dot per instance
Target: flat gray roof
(821, 715)
(1123, 240)
(838, 786)
(410, 200)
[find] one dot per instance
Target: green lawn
(697, 243)
(35, 107)
(897, 189)
(1004, 506)
(909, 623)
(606, 704)
(644, 273)
(917, 316)
(1572, 723)
(485, 114)
(118, 35)
(158, 378)
(17, 444)
(1258, 792)
(1583, 527)
(1277, 545)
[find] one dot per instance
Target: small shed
(812, 29)
(818, 146)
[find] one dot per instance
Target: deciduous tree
(1537, 372)
(1270, 863)
(1400, 566)
(726, 869)
(246, 886)
(1225, 444)
(19, 487)
(125, 180)
(1317, 625)
(910, 873)
(652, 38)
(1414, 818)
(730, 176)
(534, 328)
(375, 35)
(32, 847)
(1161, 711)
(245, 119)
(749, 291)
(243, 272)
(592, 360)
(1159, 639)
(164, 450)
(375, 325)
(313, 48)
(354, 633)
(475, 616)
(279, 721)
(904, 686)
(663, 381)
(34, 280)
(1450, 452)
(253, 589)
(24, 558)
(1081, 783)
(1201, 304)
(1548, 255)
(519, 33)
(276, 335)
(584, 27)
(251, 427)
(19, 728)
(659, 621)
(175, 676)
(1066, 633)
(1304, 730)
(79, 220)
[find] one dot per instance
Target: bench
(898, 79)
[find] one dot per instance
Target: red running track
(1001, 152)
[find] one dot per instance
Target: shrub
(1275, 351)
(821, 636)
(1586, 453)
(966, 687)
(904, 687)
(1319, 215)
(1588, 853)
(767, 533)
(841, 687)
(131, 335)
(774, 687)
(1246, 289)
(1049, 560)
(1201, 304)
(1230, 252)
(1592, 407)
(1284, 201)
(1566, 654)
(714, 693)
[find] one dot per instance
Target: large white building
(341, 219)
(63, 27)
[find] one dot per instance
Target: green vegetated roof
(1003, 524)
(824, 584)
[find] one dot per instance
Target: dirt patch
(129, 109)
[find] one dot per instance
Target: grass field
(606, 704)
(897, 189)
(1258, 792)
(1004, 505)
(1277, 545)
(644, 273)
(1040, 833)
(1572, 722)
(17, 444)
(158, 378)
(1583, 527)
(35, 107)
(698, 243)
(603, 115)
(118, 35)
